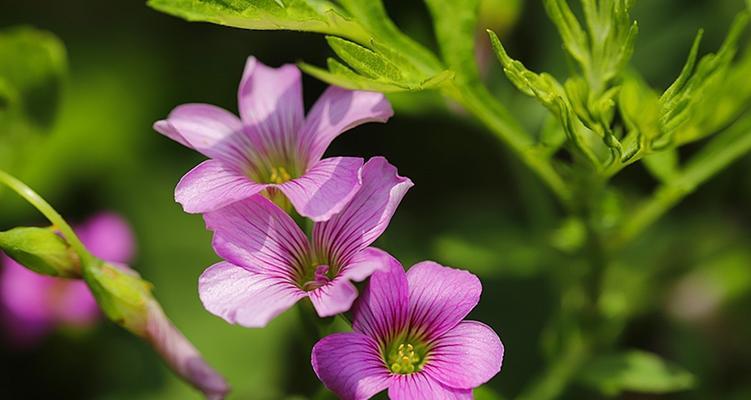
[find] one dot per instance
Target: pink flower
(33, 304)
(272, 147)
(271, 264)
(410, 338)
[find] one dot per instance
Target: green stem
(46, 209)
(724, 149)
(476, 99)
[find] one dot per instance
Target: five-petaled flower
(32, 304)
(271, 264)
(272, 147)
(410, 338)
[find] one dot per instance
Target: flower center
(406, 359)
(279, 175)
(320, 278)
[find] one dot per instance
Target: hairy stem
(49, 212)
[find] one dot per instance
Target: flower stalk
(49, 212)
(126, 300)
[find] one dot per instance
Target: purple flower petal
(366, 216)
(350, 365)
(419, 386)
(381, 310)
(257, 235)
(336, 111)
(108, 236)
(440, 297)
(325, 188)
(334, 297)
(211, 186)
(466, 357)
(211, 130)
(243, 297)
(366, 262)
(271, 106)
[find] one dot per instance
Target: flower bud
(42, 251)
(182, 356)
(126, 299)
(121, 294)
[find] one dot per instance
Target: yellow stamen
(279, 175)
(405, 359)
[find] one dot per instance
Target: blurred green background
(474, 206)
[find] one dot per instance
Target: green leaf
(376, 55)
(543, 86)
(574, 38)
(688, 68)
(373, 71)
(555, 98)
(365, 61)
(635, 371)
(32, 67)
(456, 26)
(41, 250)
(640, 110)
(604, 48)
(341, 75)
(692, 98)
(298, 15)
(372, 15)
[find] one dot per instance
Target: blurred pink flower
(32, 305)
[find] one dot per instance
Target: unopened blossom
(272, 148)
(181, 355)
(271, 264)
(410, 338)
(127, 300)
(33, 304)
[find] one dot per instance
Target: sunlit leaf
(364, 61)
(298, 15)
(340, 75)
(551, 94)
(372, 15)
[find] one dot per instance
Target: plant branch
(49, 212)
(723, 150)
